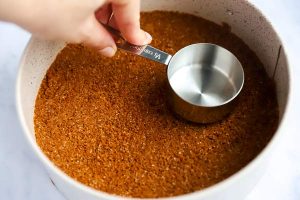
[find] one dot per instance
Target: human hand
(77, 21)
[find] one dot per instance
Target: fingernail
(108, 51)
(149, 37)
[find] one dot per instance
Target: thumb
(95, 35)
(127, 17)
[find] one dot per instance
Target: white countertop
(22, 176)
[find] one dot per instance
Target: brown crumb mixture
(105, 121)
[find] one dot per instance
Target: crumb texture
(105, 121)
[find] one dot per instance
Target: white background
(23, 177)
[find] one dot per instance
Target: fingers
(105, 16)
(95, 35)
(127, 18)
(103, 13)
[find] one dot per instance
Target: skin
(78, 21)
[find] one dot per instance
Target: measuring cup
(203, 79)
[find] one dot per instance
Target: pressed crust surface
(105, 121)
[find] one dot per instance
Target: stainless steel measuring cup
(204, 79)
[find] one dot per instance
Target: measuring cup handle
(145, 51)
